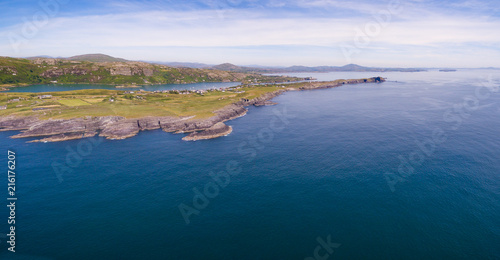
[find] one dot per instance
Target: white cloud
(141, 31)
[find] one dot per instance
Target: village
(198, 91)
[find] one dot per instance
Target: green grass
(73, 102)
(93, 100)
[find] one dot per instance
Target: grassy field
(73, 102)
(81, 103)
(93, 100)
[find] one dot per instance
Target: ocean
(405, 169)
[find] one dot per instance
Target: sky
(392, 33)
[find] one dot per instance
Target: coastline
(117, 127)
(6, 87)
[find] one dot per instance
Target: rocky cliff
(217, 130)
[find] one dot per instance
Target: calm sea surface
(406, 169)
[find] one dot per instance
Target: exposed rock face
(132, 68)
(121, 70)
(35, 127)
(47, 61)
(114, 127)
(147, 72)
(217, 130)
(265, 103)
(16, 123)
(65, 137)
(53, 73)
(10, 70)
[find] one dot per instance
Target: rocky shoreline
(115, 127)
(217, 130)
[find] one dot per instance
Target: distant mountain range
(98, 57)
(193, 65)
(235, 68)
(349, 67)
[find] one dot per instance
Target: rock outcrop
(131, 68)
(9, 70)
(47, 61)
(10, 123)
(53, 73)
(217, 130)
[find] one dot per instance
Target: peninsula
(115, 114)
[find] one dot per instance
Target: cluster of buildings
(15, 100)
(199, 91)
(183, 92)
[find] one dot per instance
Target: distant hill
(235, 68)
(193, 65)
(40, 56)
(79, 69)
(96, 58)
(349, 67)
(353, 67)
(228, 67)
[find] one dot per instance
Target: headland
(114, 114)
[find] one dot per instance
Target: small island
(115, 114)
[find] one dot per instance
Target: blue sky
(393, 33)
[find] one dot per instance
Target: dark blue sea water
(319, 167)
(69, 87)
